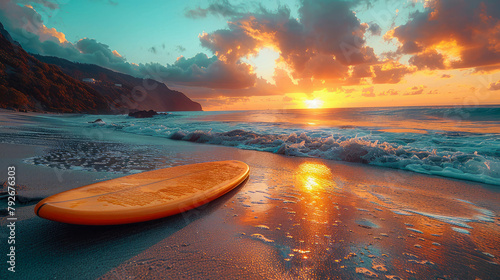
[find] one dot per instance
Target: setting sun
(313, 104)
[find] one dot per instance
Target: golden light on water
(311, 183)
(313, 176)
(313, 104)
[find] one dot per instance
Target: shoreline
(294, 218)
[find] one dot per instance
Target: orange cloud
(116, 53)
(391, 72)
(368, 92)
(465, 33)
(50, 33)
(316, 53)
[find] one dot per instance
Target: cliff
(27, 83)
(41, 83)
(125, 90)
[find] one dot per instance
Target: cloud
(392, 92)
(199, 70)
(221, 101)
(430, 59)
(260, 88)
(202, 71)
(416, 90)
(222, 8)
(327, 38)
(347, 90)
(25, 22)
(494, 86)
(390, 72)
(389, 92)
(368, 92)
(26, 26)
(88, 50)
(47, 4)
(445, 76)
(362, 71)
(115, 53)
(178, 48)
(466, 33)
(375, 29)
(287, 99)
(323, 47)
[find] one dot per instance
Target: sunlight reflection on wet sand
(309, 220)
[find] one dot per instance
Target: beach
(294, 218)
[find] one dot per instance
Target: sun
(313, 104)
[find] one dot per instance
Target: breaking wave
(448, 162)
(462, 153)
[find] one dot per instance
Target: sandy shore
(295, 218)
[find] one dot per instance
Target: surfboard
(144, 196)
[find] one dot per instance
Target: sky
(241, 55)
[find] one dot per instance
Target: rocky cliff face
(123, 90)
(39, 83)
(27, 83)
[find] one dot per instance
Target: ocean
(303, 212)
(456, 142)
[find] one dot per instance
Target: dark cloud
(178, 48)
(221, 7)
(410, 47)
(324, 67)
(202, 71)
(230, 45)
(375, 29)
(431, 60)
(362, 71)
(152, 50)
(445, 76)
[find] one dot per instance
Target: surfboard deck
(145, 196)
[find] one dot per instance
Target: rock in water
(98, 121)
(143, 114)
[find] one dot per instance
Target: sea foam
(460, 155)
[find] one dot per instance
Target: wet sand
(295, 218)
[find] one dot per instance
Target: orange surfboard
(145, 196)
